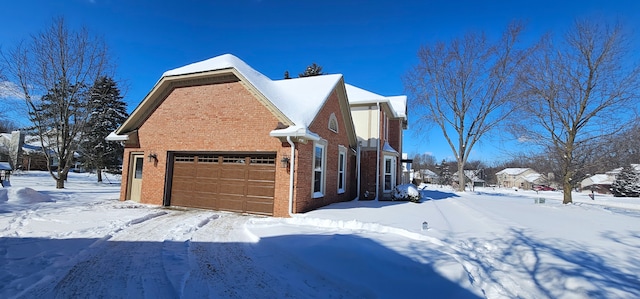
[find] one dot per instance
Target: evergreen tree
(626, 184)
(286, 75)
(108, 111)
(312, 70)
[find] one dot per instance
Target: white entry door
(135, 175)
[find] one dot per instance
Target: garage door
(230, 182)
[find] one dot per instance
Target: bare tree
(53, 69)
(465, 87)
(578, 90)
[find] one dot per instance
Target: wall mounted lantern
(284, 162)
(153, 157)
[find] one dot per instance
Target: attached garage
(217, 134)
(236, 182)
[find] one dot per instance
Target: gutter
(378, 153)
(359, 172)
(301, 134)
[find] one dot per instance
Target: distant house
(218, 134)
(473, 176)
(23, 151)
(407, 172)
(601, 183)
(426, 176)
(523, 178)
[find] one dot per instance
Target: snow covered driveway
(82, 243)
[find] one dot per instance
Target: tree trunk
(566, 190)
(99, 173)
(461, 178)
(60, 183)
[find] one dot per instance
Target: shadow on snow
(274, 267)
(555, 267)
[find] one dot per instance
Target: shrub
(406, 192)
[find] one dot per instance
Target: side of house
(379, 124)
(218, 134)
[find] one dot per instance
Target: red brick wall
(218, 117)
(320, 125)
(368, 174)
(395, 140)
(226, 117)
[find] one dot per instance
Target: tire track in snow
(223, 269)
(137, 260)
(444, 217)
(237, 265)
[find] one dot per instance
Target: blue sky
(372, 43)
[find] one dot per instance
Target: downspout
(359, 171)
(378, 153)
(291, 168)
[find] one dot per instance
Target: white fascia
(297, 132)
(115, 137)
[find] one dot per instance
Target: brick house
(379, 123)
(218, 134)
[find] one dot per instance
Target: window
(389, 173)
(342, 166)
(318, 170)
(386, 127)
(207, 159)
(230, 159)
(333, 123)
(138, 172)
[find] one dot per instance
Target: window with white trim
(342, 166)
(389, 173)
(333, 123)
(319, 158)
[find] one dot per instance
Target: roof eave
(299, 133)
(115, 137)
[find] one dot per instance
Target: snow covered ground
(81, 242)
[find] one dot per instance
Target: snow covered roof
(615, 171)
(428, 173)
(471, 174)
(532, 178)
(299, 99)
(5, 166)
(358, 95)
(601, 179)
(512, 171)
(388, 148)
(295, 102)
(397, 104)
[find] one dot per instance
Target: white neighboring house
(601, 183)
(473, 175)
(524, 178)
(426, 176)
